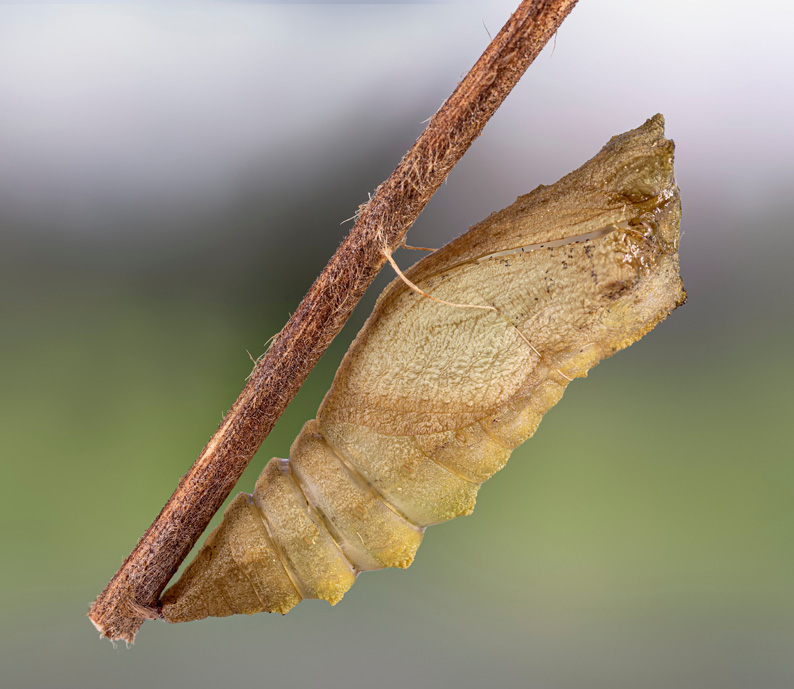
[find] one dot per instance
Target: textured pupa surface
(431, 399)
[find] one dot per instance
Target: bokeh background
(172, 178)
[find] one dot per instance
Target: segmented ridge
(338, 508)
(369, 532)
(238, 570)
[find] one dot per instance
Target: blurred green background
(172, 178)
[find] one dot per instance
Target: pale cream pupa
(432, 398)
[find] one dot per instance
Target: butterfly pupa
(431, 399)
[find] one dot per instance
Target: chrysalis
(431, 398)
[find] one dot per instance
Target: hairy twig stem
(133, 593)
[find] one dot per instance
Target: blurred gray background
(173, 177)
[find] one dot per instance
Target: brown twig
(132, 594)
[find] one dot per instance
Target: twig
(132, 595)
